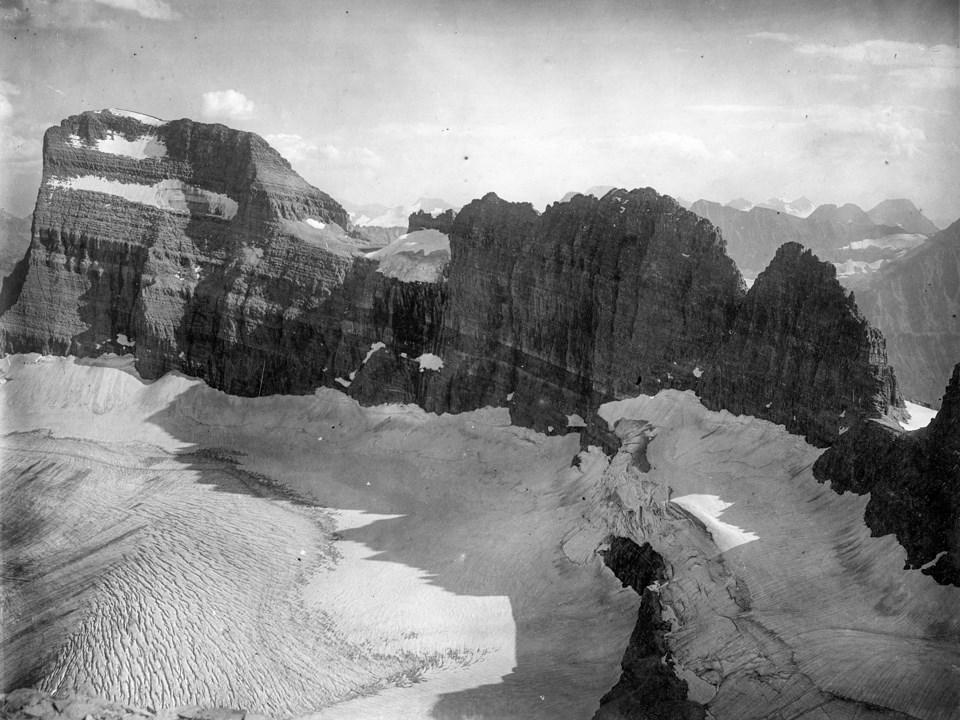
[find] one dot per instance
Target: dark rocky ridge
(648, 687)
(801, 354)
(914, 483)
(422, 220)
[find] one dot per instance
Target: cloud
(226, 104)
(670, 143)
(305, 153)
(67, 15)
(776, 36)
(150, 9)
(6, 106)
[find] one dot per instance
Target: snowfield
(171, 195)
(308, 557)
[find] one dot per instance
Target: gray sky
(841, 101)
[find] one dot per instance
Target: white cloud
(303, 152)
(777, 36)
(150, 9)
(670, 143)
(6, 107)
(226, 104)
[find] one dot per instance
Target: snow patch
(171, 195)
(575, 421)
(346, 383)
(697, 372)
(708, 509)
(920, 416)
(429, 361)
(123, 340)
(143, 148)
(373, 348)
(145, 119)
(315, 223)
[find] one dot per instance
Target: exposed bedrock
(913, 479)
(801, 354)
(648, 687)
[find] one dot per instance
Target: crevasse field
(168, 545)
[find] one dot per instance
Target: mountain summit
(904, 213)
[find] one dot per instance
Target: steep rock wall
(914, 483)
(800, 353)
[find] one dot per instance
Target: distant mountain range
(835, 233)
(801, 207)
(375, 215)
(915, 301)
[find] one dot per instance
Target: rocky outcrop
(904, 213)
(913, 479)
(753, 237)
(648, 687)
(593, 300)
(421, 220)
(800, 353)
(915, 302)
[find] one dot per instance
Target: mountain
(14, 239)
(597, 191)
(362, 214)
(801, 207)
(913, 479)
(903, 213)
(753, 237)
(740, 203)
(397, 216)
(238, 522)
(915, 301)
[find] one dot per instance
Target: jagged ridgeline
(198, 248)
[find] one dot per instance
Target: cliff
(197, 248)
(915, 302)
(592, 300)
(194, 246)
(801, 354)
(913, 479)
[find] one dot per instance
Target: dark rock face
(801, 354)
(753, 237)
(914, 483)
(421, 220)
(915, 302)
(648, 687)
(593, 300)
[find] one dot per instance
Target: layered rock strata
(913, 479)
(801, 354)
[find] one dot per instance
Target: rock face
(753, 237)
(197, 248)
(195, 243)
(915, 302)
(592, 300)
(421, 220)
(801, 354)
(914, 483)
(904, 213)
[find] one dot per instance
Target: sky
(385, 101)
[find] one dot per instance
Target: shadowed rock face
(801, 354)
(422, 220)
(914, 483)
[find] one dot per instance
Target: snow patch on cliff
(145, 119)
(171, 194)
(429, 361)
(144, 147)
(920, 416)
(315, 223)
